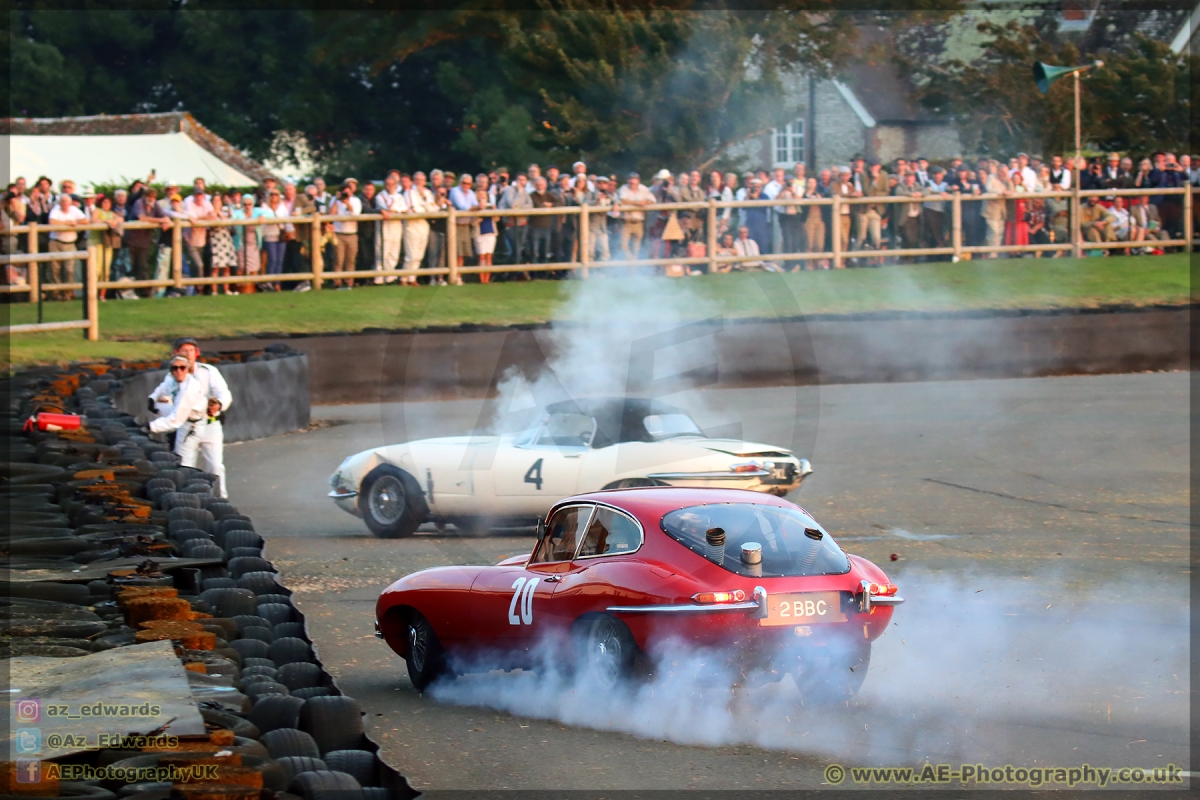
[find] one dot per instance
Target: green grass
(138, 329)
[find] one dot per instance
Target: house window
(789, 144)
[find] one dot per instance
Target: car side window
(610, 533)
(567, 430)
(562, 534)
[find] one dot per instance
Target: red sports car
(617, 572)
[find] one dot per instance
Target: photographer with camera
(346, 232)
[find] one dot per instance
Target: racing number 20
(522, 593)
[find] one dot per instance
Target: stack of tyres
(166, 560)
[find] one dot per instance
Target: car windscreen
(668, 426)
(791, 543)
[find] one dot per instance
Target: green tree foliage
(621, 84)
(629, 87)
(245, 74)
(1141, 100)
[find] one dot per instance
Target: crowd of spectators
(622, 225)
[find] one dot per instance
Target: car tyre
(390, 502)
(607, 652)
(423, 654)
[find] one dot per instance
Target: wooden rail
(584, 264)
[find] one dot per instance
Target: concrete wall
(269, 397)
(833, 349)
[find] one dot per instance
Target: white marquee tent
(92, 150)
(89, 160)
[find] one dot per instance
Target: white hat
(662, 174)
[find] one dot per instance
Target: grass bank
(137, 329)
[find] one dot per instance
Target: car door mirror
(541, 529)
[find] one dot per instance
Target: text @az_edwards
(1083, 775)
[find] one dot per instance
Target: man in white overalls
(207, 438)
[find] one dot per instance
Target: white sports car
(475, 482)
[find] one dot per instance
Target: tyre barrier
(178, 565)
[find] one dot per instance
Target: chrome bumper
(346, 501)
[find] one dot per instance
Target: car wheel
(825, 680)
(608, 653)
(387, 504)
(424, 656)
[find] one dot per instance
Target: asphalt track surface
(1041, 534)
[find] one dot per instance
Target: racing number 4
(523, 589)
(534, 475)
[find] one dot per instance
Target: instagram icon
(29, 710)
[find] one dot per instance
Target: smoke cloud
(623, 335)
(960, 656)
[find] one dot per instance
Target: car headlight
(335, 479)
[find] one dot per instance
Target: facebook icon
(29, 740)
(29, 770)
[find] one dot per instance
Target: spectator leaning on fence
(247, 239)
(542, 225)
(392, 204)
(463, 198)
(516, 197)
(634, 197)
(198, 207)
(103, 243)
(420, 200)
(64, 213)
(220, 242)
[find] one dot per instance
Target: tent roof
(106, 149)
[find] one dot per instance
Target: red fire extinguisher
(46, 421)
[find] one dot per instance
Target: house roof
(130, 126)
(878, 86)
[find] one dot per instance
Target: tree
(625, 85)
(1141, 99)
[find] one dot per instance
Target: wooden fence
(91, 294)
(584, 263)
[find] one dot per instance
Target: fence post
(314, 249)
(177, 252)
(712, 235)
(452, 246)
(836, 226)
(91, 296)
(585, 241)
(34, 272)
(1189, 225)
(1076, 207)
(956, 227)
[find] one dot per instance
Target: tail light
(882, 594)
(746, 466)
(708, 598)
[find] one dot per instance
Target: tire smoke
(961, 656)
